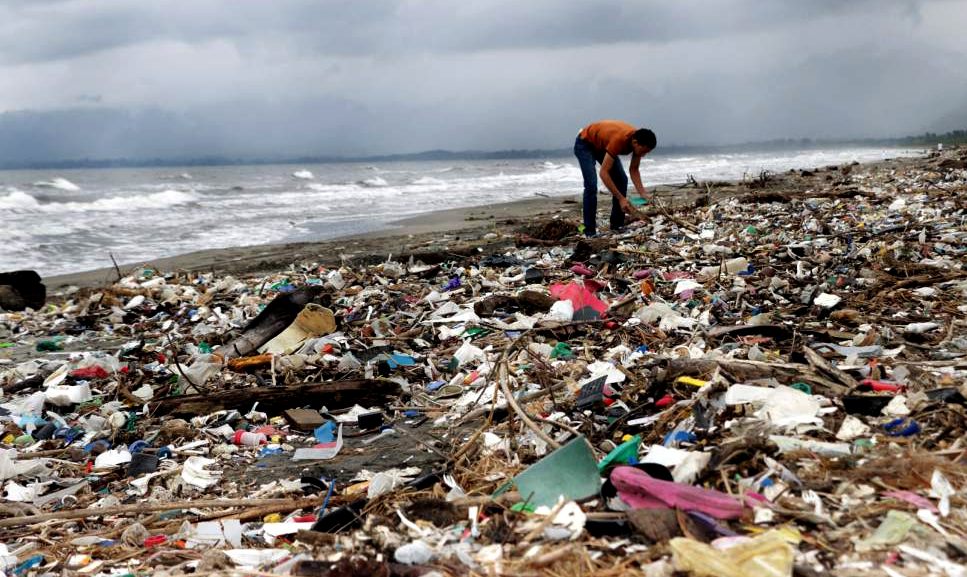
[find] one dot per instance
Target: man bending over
(603, 142)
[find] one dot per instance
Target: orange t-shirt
(612, 136)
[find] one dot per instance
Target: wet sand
(435, 231)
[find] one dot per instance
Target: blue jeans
(587, 157)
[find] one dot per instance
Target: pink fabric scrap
(676, 275)
(579, 295)
(912, 498)
(640, 491)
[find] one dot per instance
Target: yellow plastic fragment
(691, 381)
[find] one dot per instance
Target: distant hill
(928, 139)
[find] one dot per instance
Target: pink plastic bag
(640, 491)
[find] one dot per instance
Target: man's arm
(636, 176)
(606, 179)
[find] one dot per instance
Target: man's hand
(630, 210)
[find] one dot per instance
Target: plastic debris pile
(757, 385)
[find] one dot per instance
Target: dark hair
(646, 138)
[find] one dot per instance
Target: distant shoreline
(447, 155)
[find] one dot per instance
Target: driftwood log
(137, 508)
(273, 319)
(743, 370)
(334, 395)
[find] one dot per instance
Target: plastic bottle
(249, 439)
(709, 271)
(29, 564)
(202, 369)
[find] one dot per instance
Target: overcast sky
(143, 78)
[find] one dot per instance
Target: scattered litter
(755, 375)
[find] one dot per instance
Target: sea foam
(17, 199)
(375, 182)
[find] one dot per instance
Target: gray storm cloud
(98, 79)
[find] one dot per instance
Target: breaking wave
(163, 199)
(58, 183)
(167, 198)
(374, 182)
(18, 199)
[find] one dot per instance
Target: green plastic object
(475, 332)
(623, 454)
(802, 387)
(50, 345)
(569, 472)
(6, 345)
(637, 201)
(562, 351)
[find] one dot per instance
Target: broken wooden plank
(823, 366)
(304, 419)
(775, 332)
(334, 394)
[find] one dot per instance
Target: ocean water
(66, 221)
